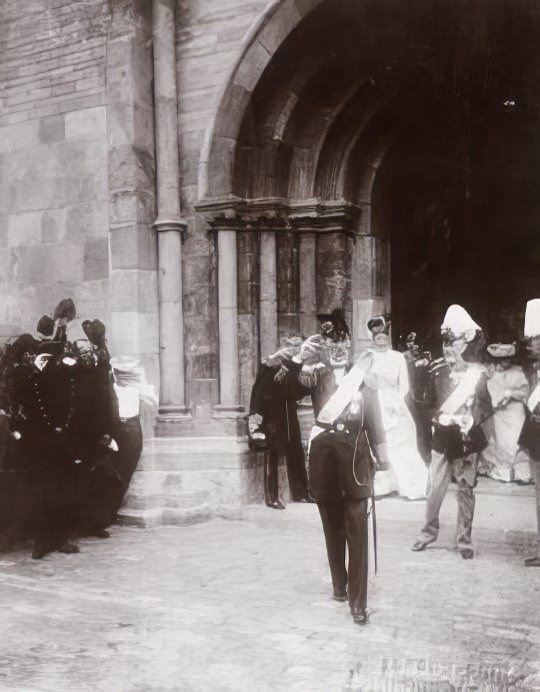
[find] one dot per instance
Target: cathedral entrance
(383, 158)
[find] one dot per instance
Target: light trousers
(440, 475)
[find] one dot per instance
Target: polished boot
(41, 548)
(68, 547)
(270, 473)
(360, 616)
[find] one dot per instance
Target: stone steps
(184, 480)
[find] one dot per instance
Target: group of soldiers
(67, 455)
(450, 403)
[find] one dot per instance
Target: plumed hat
(458, 324)
(65, 309)
(25, 343)
(45, 326)
(532, 318)
(379, 323)
(95, 331)
(501, 350)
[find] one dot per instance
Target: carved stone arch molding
(283, 175)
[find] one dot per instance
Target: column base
(228, 411)
(173, 420)
(172, 413)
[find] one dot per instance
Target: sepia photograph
(269, 345)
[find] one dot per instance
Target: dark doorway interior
(423, 117)
(464, 177)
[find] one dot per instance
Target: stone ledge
(173, 516)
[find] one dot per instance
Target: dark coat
(529, 438)
(341, 463)
(276, 403)
(448, 439)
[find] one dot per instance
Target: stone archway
(287, 173)
(297, 173)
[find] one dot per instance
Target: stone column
(248, 310)
(169, 223)
(228, 325)
(308, 283)
(287, 284)
(333, 272)
(268, 294)
(365, 299)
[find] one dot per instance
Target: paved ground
(244, 605)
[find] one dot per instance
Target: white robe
(408, 474)
(504, 427)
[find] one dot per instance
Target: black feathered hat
(45, 326)
(65, 309)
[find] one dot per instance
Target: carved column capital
(179, 225)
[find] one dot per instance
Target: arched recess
(277, 188)
(300, 169)
(268, 33)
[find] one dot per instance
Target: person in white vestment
(408, 474)
(508, 390)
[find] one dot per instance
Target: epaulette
(438, 366)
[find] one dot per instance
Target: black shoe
(41, 549)
(532, 561)
(68, 547)
(304, 499)
(275, 504)
(341, 597)
(466, 552)
(101, 533)
(360, 616)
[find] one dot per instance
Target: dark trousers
(345, 525)
(296, 468)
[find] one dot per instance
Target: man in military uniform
(275, 429)
(457, 438)
(417, 398)
(347, 433)
(530, 436)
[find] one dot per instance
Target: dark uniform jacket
(341, 457)
(448, 439)
(529, 438)
(276, 403)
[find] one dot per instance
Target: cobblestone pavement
(244, 605)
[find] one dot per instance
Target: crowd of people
(394, 422)
(68, 448)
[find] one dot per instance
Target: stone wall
(53, 154)
(77, 168)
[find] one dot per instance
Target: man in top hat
(530, 436)
(274, 427)
(457, 439)
(347, 433)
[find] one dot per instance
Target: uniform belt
(333, 427)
